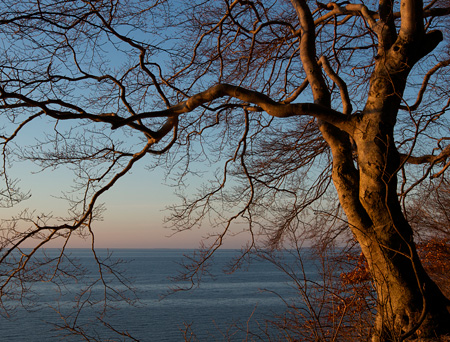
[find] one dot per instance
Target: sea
(222, 306)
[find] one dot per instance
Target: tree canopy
(303, 108)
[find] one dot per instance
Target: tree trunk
(409, 303)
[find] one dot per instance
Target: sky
(135, 210)
(136, 206)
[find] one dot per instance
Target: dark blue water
(222, 308)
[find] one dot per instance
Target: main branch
(248, 97)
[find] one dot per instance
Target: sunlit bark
(269, 80)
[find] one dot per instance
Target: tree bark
(410, 305)
(409, 302)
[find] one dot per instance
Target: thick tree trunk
(410, 305)
(409, 302)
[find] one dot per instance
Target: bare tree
(285, 98)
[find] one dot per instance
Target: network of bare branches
(281, 99)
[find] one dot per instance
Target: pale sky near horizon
(135, 210)
(135, 206)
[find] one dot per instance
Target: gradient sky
(135, 209)
(135, 206)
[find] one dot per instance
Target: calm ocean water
(214, 309)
